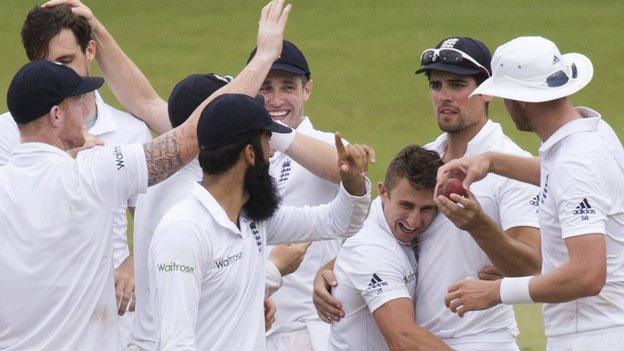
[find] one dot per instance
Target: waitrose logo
(174, 267)
(226, 261)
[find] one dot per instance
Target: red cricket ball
(453, 186)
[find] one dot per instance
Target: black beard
(264, 198)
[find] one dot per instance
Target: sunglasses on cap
(449, 55)
(553, 80)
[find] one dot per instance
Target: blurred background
(362, 55)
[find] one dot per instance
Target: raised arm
(316, 156)
(475, 168)
(170, 151)
(342, 217)
(128, 83)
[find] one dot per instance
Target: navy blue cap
(231, 118)
(291, 60)
(469, 46)
(189, 93)
(40, 85)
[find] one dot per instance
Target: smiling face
(284, 94)
(452, 105)
(408, 211)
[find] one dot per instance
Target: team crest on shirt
(285, 171)
(256, 235)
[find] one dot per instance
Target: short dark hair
(218, 161)
(43, 23)
(415, 163)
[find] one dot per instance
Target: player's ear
(249, 155)
(307, 89)
(382, 190)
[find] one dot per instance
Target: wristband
(515, 290)
(282, 141)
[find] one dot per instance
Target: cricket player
(285, 90)
(581, 202)
(56, 34)
(151, 207)
(58, 211)
(495, 232)
(377, 267)
(206, 260)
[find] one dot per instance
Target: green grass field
(362, 54)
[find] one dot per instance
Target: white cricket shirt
(582, 192)
(114, 127)
(447, 254)
(372, 268)
(207, 276)
(150, 209)
(56, 216)
(299, 187)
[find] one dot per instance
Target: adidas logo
(584, 208)
(535, 200)
(376, 282)
(556, 59)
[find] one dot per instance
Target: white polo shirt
(207, 276)
(114, 127)
(56, 216)
(582, 192)
(150, 209)
(447, 254)
(372, 268)
(299, 187)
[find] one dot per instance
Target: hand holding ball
(453, 186)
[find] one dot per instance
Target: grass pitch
(362, 54)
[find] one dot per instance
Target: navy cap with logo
(231, 118)
(40, 85)
(190, 93)
(291, 60)
(459, 55)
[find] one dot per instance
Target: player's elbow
(404, 341)
(592, 282)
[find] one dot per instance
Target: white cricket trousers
(315, 337)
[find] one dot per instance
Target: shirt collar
(589, 122)
(478, 144)
(104, 123)
(214, 208)
(305, 125)
(35, 149)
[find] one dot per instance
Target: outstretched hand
(467, 169)
(271, 27)
(353, 165)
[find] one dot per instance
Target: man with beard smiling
(206, 259)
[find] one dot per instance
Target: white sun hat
(531, 69)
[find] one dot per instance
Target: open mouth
(407, 229)
(447, 111)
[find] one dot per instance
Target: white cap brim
(500, 86)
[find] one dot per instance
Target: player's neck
(547, 120)
(227, 189)
(457, 142)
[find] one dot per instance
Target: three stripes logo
(583, 208)
(376, 283)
